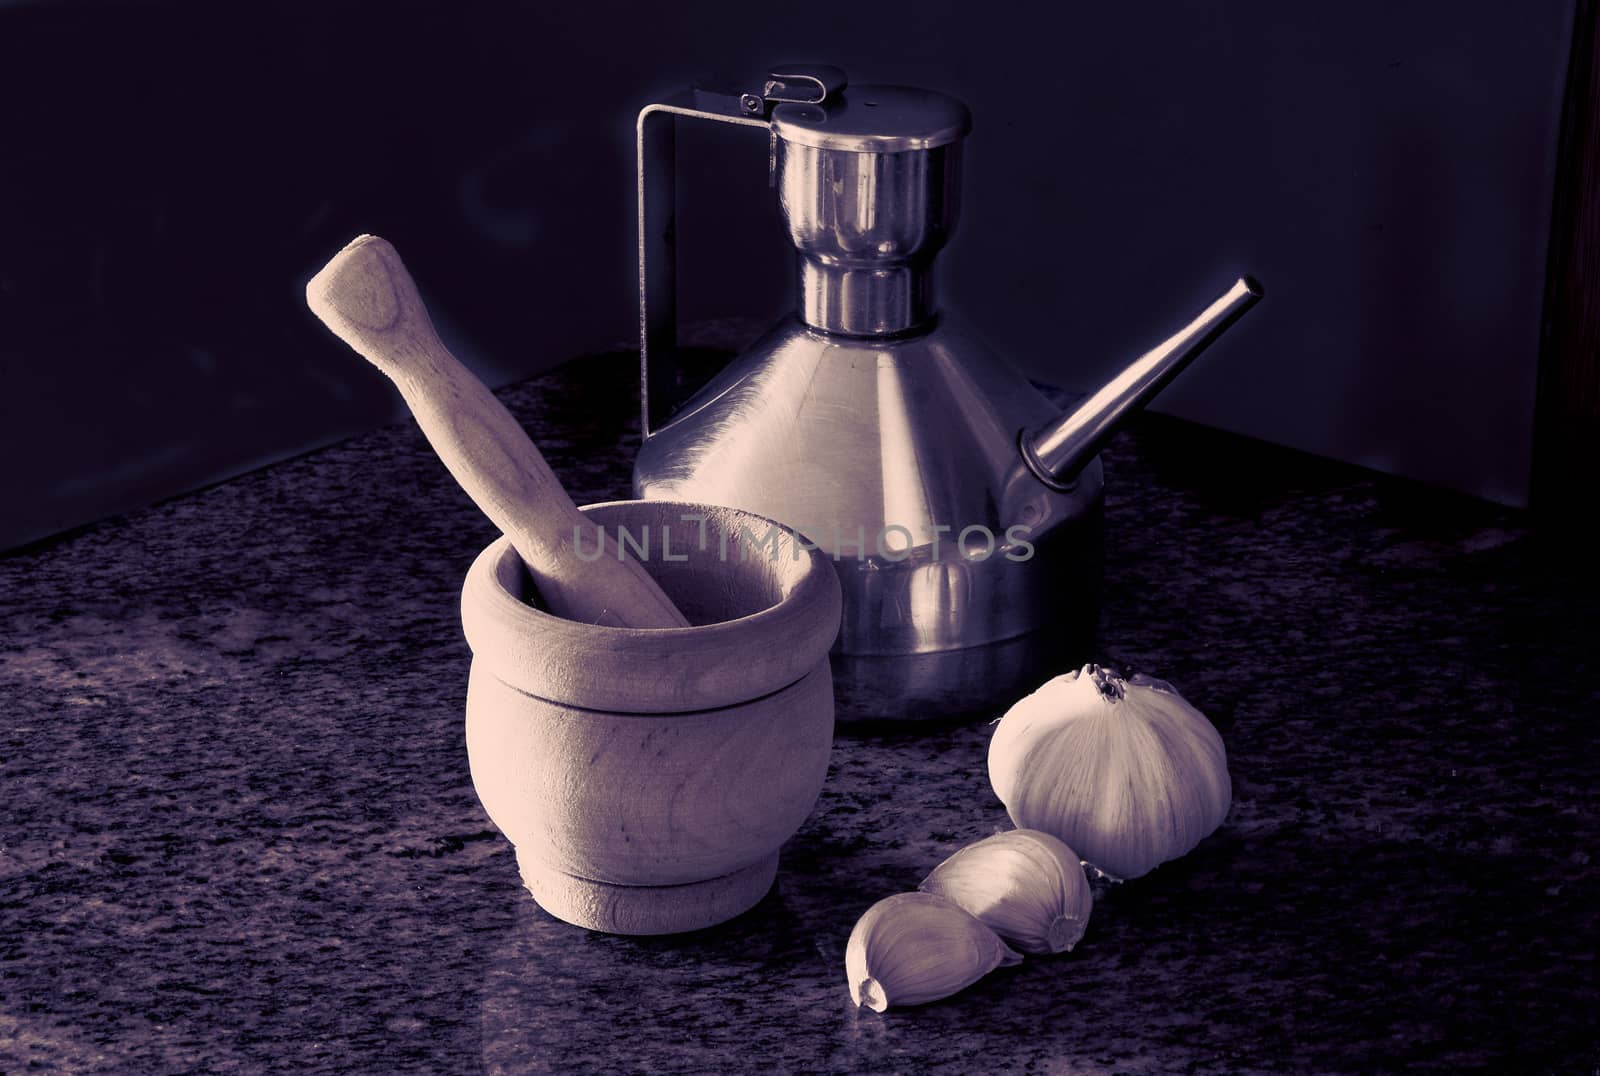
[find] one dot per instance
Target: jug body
(893, 456)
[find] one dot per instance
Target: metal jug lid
(875, 119)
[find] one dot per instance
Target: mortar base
(647, 909)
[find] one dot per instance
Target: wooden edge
(1566, 461)
(647, 909)
(719, 664)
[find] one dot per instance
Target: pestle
(370, 302)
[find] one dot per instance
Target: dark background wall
(172, 173)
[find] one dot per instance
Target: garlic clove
(1025, 885)
(913, 948)
(1124, 771)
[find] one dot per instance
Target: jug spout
(1056, 452)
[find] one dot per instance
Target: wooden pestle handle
(370, 302)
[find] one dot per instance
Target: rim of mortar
(653, 671)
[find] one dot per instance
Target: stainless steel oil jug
(961, 508)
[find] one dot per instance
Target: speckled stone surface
(239, 834)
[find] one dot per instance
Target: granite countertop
(240, 835)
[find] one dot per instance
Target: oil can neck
(869, 189)
(864, 301)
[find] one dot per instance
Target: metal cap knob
(875, 119)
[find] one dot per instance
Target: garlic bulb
(916, 947)
(1025, 885)
(1124, 771)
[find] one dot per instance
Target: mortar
(648, 776)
